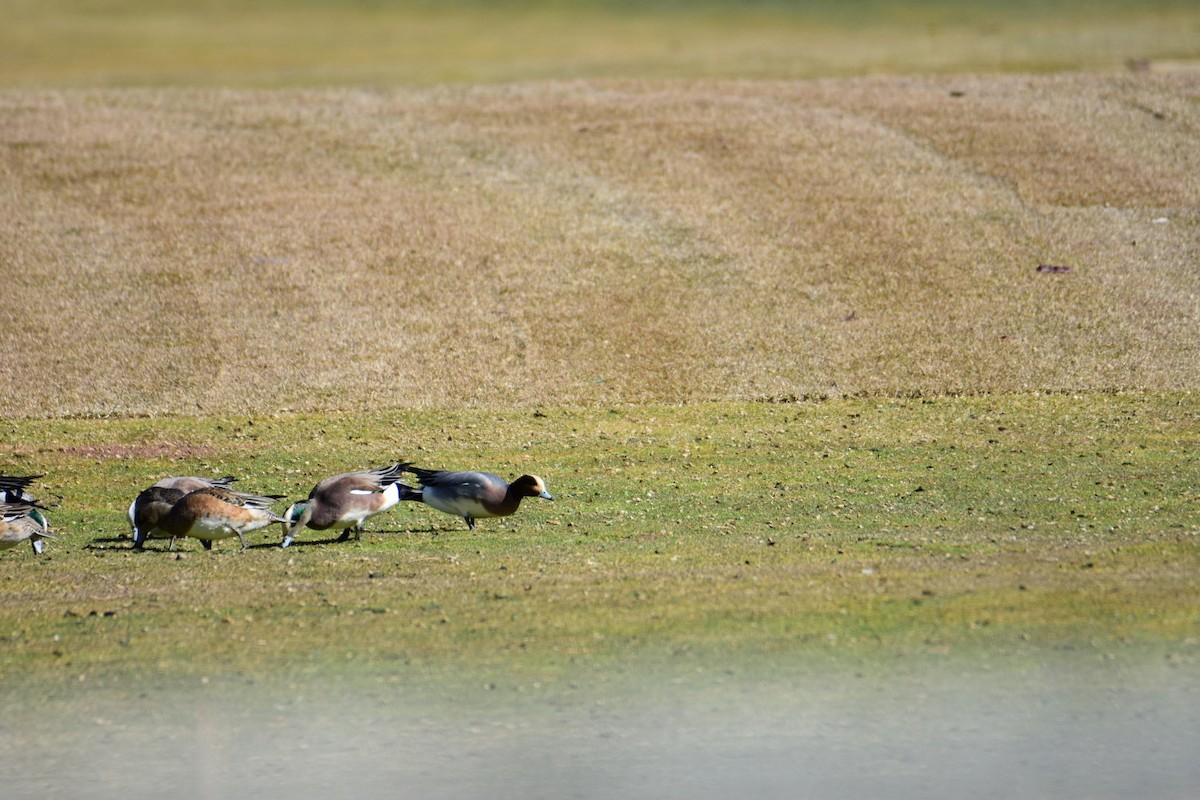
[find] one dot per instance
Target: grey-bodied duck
(472, 495)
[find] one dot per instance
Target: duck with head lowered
(155, 501)
(21, 522)
(345, 501)
(21, 517)
(472, 495)
(216, 512)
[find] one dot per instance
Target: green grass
(752, 538)
(269, 44)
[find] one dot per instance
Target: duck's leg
(470, 521)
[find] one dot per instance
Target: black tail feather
(409, 493)
(17, 482)
(423, 475)
(390, 474)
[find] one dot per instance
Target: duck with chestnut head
(472, 495)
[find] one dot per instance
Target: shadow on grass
(107, 543)
(108, 540)
(366, 538)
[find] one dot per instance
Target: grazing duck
(150, 506)
(216, 512)
(20, 522)
(154, 502)
(472, 495)
(13, 491)
(345, 501)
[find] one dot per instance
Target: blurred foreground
(1082, 727)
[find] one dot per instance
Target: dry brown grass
(223, 251)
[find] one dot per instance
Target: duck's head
(295, 518)
(295, 511)
(532, 486)
(40, 518)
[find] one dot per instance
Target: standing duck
(216, 512)
(20, 522)
(472, 495)
(345, 501)
(155, 501)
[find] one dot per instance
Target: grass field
(197, 252)
(717, 570)
(1025, 522)
(273, 43)
(867, 399)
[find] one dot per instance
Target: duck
(150, 506)
(471, 495)
(153, 502)
(13, 491)
(21, 522)
(345, 501)
(217, 512)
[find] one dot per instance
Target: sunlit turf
(716, 536)
(83, 42)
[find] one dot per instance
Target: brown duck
(345, 501)
(216, 512)
(155, 501)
